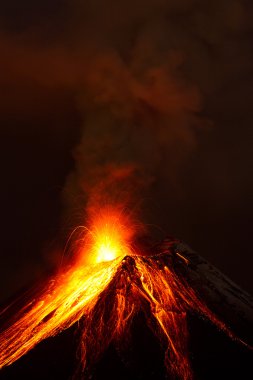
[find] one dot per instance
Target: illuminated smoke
(140, 73)
(147, 67)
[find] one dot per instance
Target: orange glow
(106, 286)
(107, 238)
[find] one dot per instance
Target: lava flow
(105, 287)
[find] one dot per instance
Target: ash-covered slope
(227, 300)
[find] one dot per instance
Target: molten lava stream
(69, 295)
(103, 289)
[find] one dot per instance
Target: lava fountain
(106, 285)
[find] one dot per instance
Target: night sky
(164, 86)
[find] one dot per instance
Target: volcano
(117, 303)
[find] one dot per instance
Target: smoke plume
(147, 67)
(144, 78)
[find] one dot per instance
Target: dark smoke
(148, 69)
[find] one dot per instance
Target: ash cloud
(140, 74)
(149, 67)
(134, 117)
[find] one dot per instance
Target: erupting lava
(103, 289)
(108, 237)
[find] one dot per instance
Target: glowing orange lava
(108, 237)
(106, 286)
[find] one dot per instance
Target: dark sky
(164, 86)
